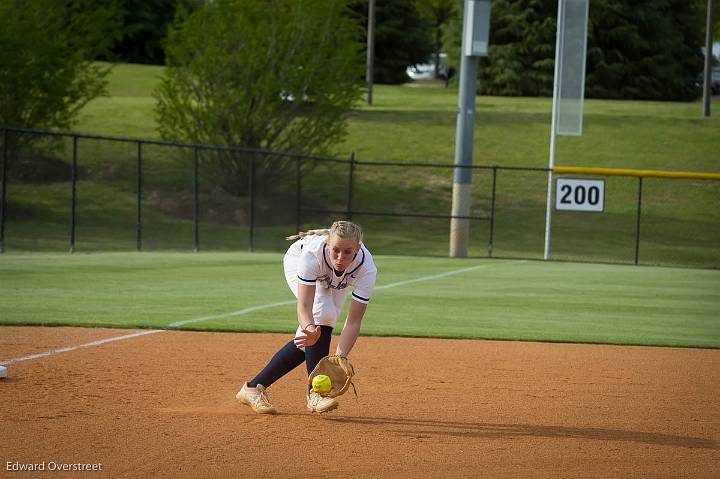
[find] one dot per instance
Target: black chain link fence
(75, 192)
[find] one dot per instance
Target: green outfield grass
(681, 220)
(493, 299)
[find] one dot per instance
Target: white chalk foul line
(141, 333)
(91, 344)
(436, 276)
(240, 312)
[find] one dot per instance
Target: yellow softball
(321, 384)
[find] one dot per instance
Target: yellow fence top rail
(579, 170)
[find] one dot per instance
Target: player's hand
(309, 336)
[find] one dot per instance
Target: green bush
(277, 75)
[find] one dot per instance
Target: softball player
(320, 267)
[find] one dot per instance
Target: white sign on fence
(580, 195)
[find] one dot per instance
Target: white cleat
(317, 403)
(256, 398)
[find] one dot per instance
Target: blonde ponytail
(343, 229)
(302, 234)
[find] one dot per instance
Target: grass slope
(497, 299)
(408, 123)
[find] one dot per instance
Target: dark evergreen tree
(402, 37)
(145, 26)
(522, 49)
(521, 55)
(647, 50)
(644, 49)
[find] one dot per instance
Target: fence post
(298, 193)
(492, 213)
(4, 190)
(138, 188)
(251, 244)
(637, 229)
(350, 186)
(73, 215)
(196, 201)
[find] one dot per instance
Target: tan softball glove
(340, 371)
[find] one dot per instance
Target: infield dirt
(163, 405)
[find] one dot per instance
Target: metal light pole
(370, 50)
(709, 36)
(476, 29)
(462, 179)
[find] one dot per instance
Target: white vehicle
(426, 71)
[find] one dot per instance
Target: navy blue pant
(289, 357)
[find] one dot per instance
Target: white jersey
(307, 261)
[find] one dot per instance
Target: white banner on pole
(571, 82)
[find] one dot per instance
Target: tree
(145, 25)
(402, 37)
(452, 35)
(650, 50)
(46, 69)
(521, 52)
(647, 50)
(522, 49)
(276, 74)
(438, 12)
(701, 10)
